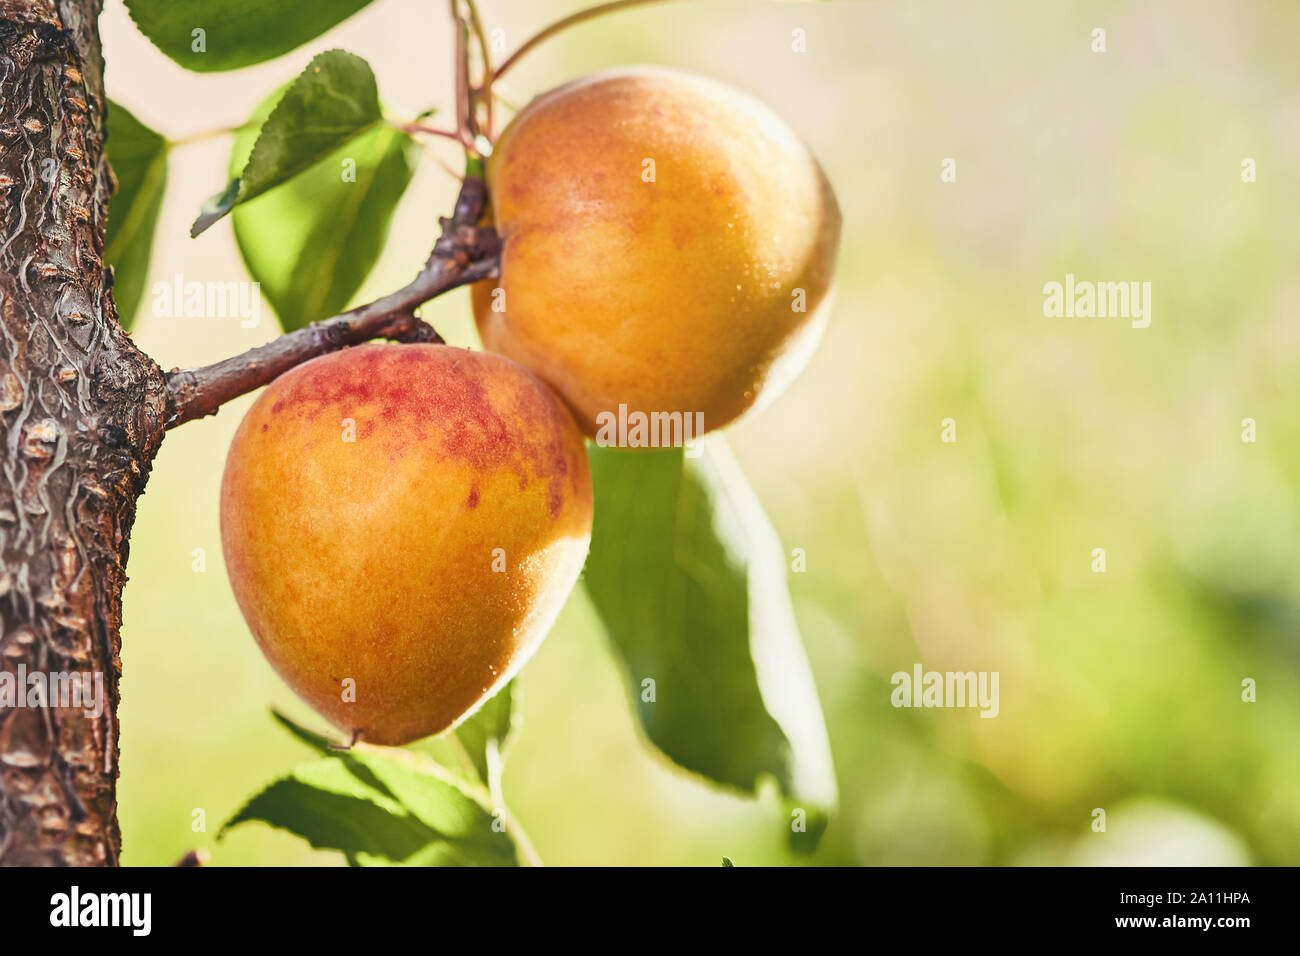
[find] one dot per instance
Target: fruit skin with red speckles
(702, 288)
(401, 524)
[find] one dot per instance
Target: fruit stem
(560, 25)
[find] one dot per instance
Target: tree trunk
(82, 412)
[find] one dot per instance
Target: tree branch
(465, 252)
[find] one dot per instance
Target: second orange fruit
(668, 246)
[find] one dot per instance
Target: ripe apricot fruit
(669, 246)
(401, 525)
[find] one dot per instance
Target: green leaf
(435, 797)
(235, 33)
(331, 102)
(215, 207)
(331, 809)
(380, 810)
(317, 742)
(486, 735)
(311, 242)
(476, 748)
(688, 577)
(328, 748)
(139, 159)
(726, 862)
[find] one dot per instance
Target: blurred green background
(1119, 691)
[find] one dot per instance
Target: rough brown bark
(82, 412)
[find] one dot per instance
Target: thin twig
(464, 253)
(431, 130)
(445, 166)
(207, 134)
(483, 91)
(560, 25)
(464, 115)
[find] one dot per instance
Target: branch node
(465, 252)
